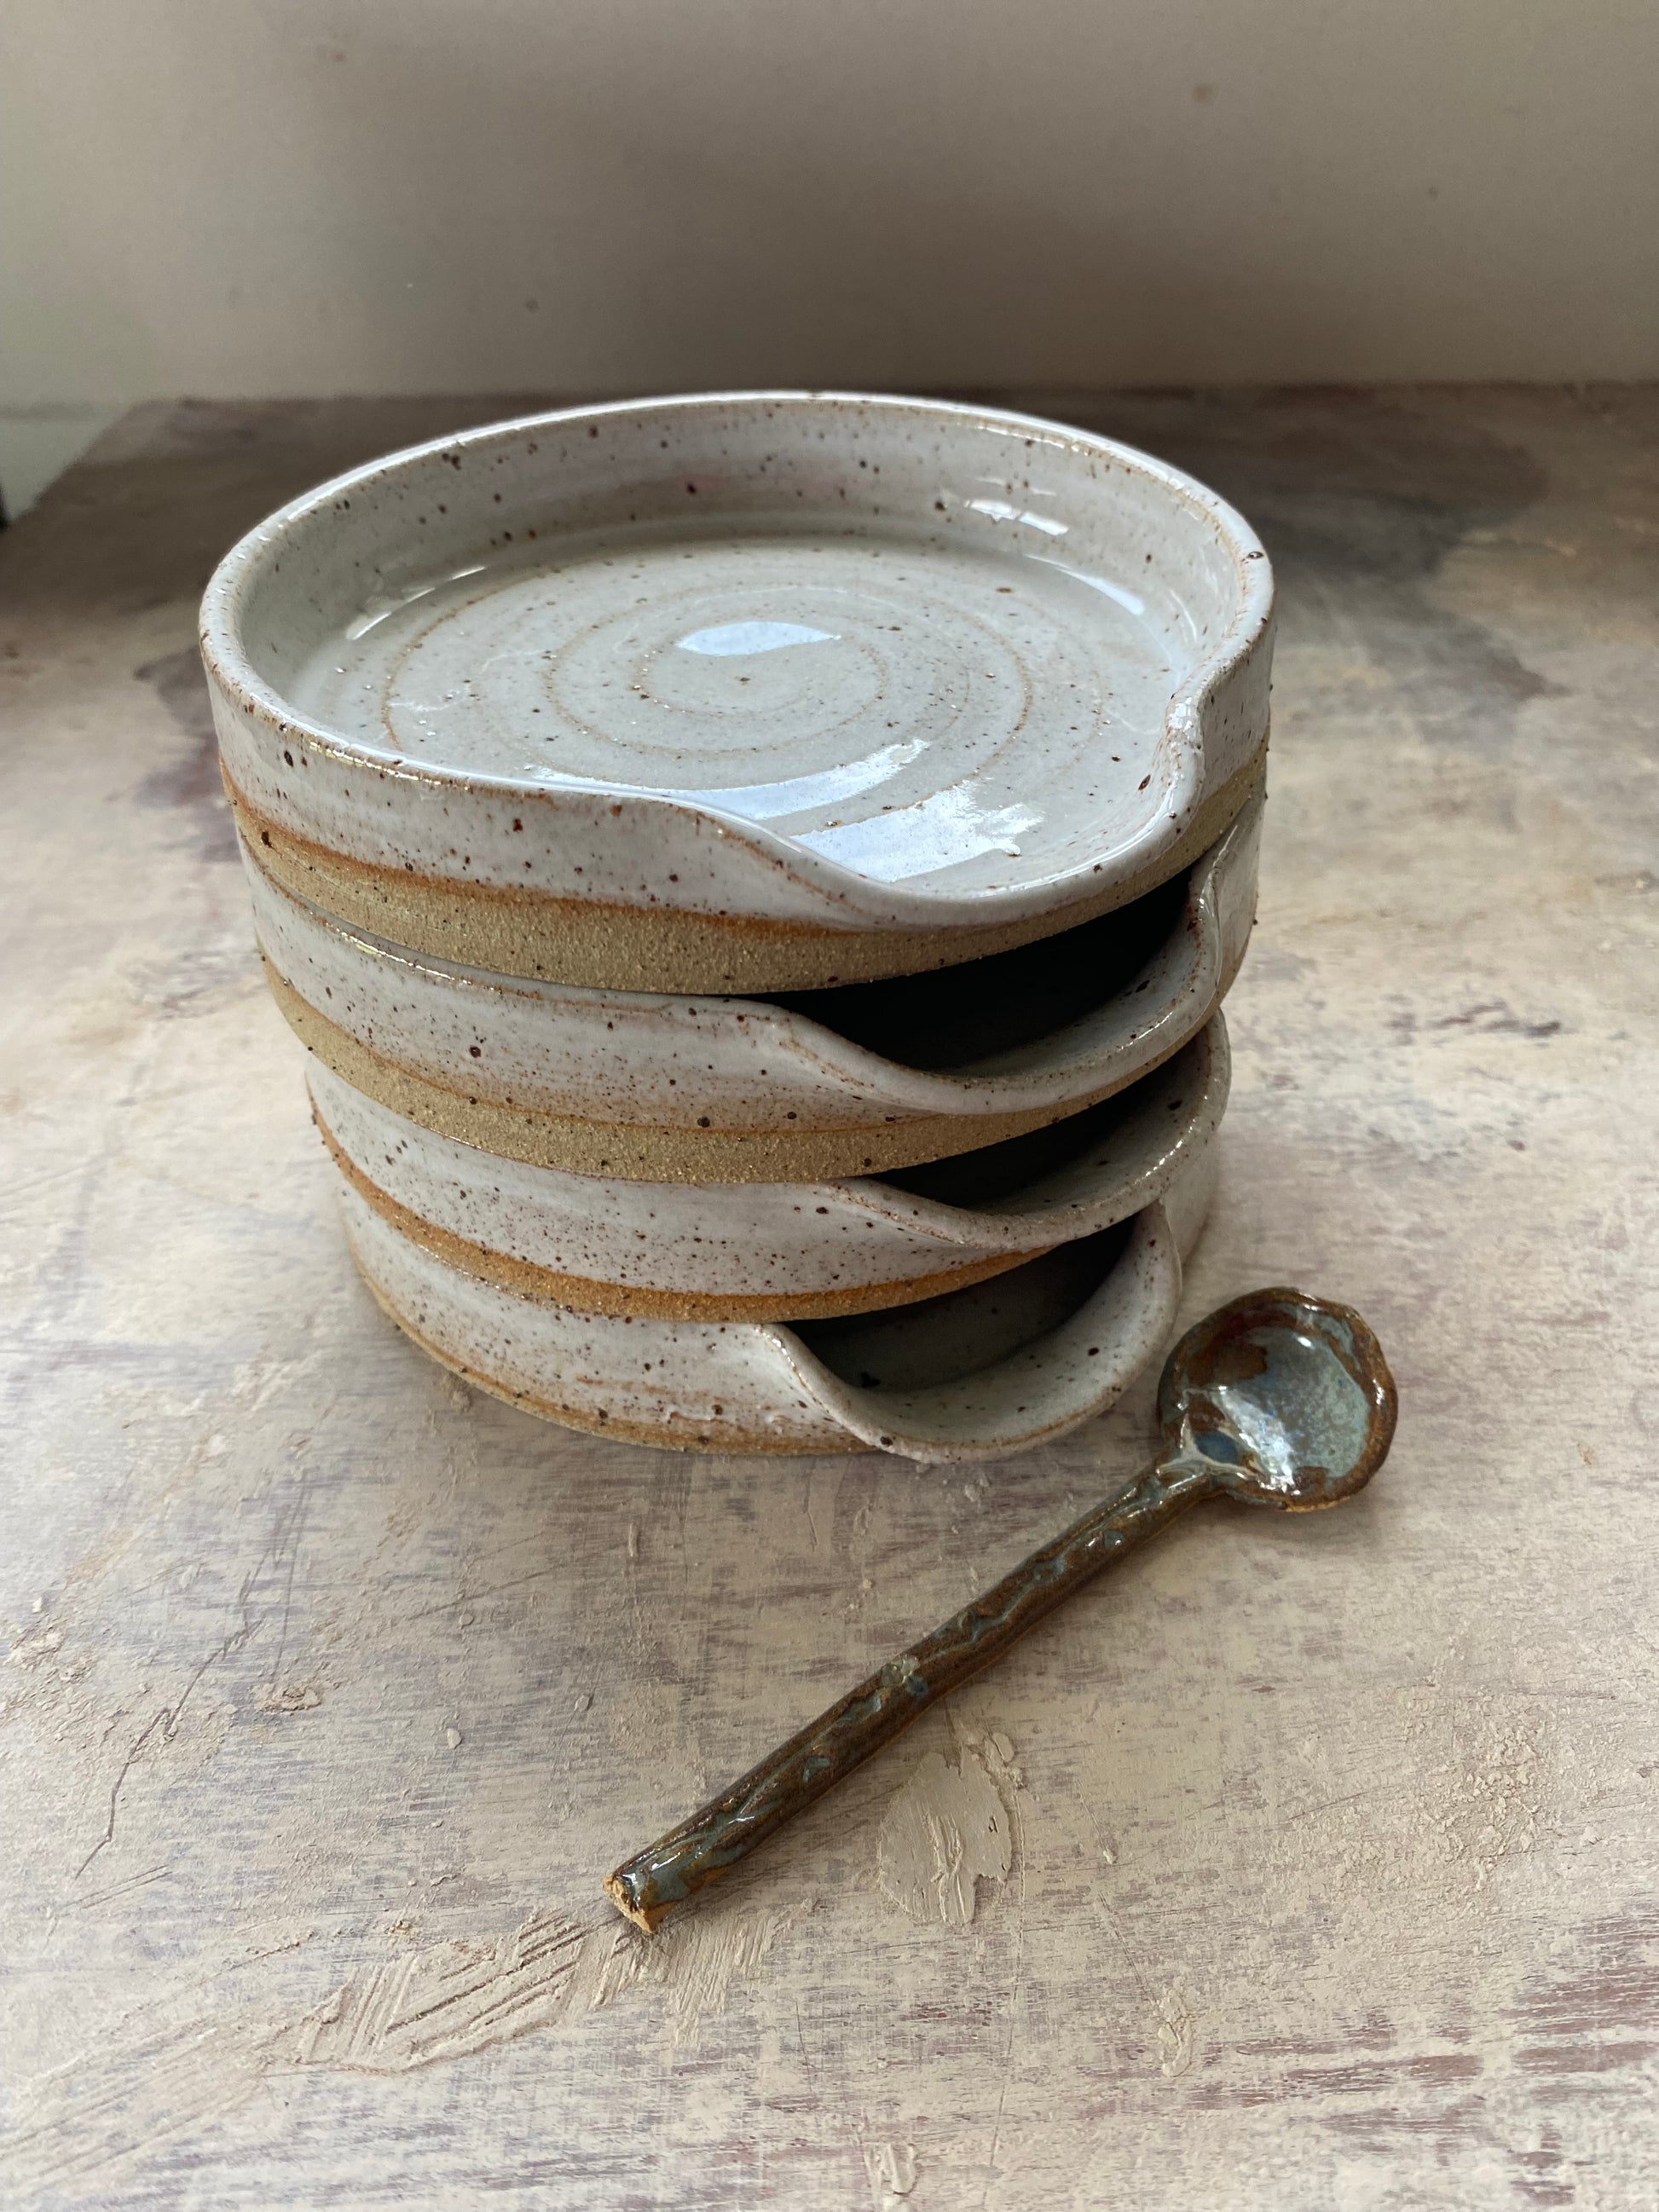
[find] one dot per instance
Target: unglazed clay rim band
(657, 1152)
(597, 946)
(641, 1153)
(541, 1284)
(834, 1400)
(715, 1436)
(588, 1294)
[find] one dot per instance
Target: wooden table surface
(1301, 1863)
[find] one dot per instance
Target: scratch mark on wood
(167, 1721)
(1176, 2025)
(445, 2000)
(119, 1889)
(442, 2002)
(473, 1596)
(283, 1551)
(697, 1960)
(106, 2108)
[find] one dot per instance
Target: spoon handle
(669, 1872)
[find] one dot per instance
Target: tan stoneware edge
(610, 947)
(707, 1436)
(663, 1382)
(588, 1295)
(654, 1155)
(457, 1051)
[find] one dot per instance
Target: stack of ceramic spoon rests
(757, 874)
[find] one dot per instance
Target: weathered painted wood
(1297, 1864)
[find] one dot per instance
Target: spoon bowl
(1280, 1399)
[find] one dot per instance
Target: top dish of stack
(548, 742)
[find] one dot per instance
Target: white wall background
(286, 197)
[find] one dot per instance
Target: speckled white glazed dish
(741, 692)
(776, 1251)
(976, 1374)
(720, 1090)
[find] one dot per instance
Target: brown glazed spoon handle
(670, 1871)
(1280, 1399)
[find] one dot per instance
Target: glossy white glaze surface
(731, 1066)
(605, 1245)
(892, 701)
(756, 1387)
(860, 662)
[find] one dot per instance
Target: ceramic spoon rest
(776, 1251)
(718, 1090)
(976, 1374)
(741, 692)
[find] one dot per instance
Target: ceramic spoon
(1279, 1399)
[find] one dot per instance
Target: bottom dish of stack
(799, 1318)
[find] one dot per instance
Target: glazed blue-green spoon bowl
(1280, 1399)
